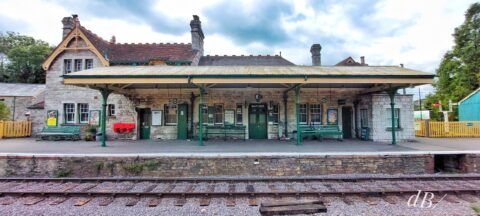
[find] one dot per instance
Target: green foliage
(151, 164)
(91, 129)
(134, 168)
(62, 172)
(25, 57)
(459, 71)
(4, 111)
(476, 208)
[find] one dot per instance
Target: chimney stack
(197, 34)
(362, 60)
(401, 65)
(316, 56)
(68, 25)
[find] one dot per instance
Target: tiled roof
(348, 62)
(244, 61)
(21, 89)
(120, 53)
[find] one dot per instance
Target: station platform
(30, 146)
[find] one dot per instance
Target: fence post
(427, 128)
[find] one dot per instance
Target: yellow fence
(15, 129)
(447, 129)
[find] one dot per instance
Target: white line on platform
(245, 154)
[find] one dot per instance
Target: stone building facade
(81, 51)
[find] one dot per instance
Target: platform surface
(30, 146)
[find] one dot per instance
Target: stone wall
(21, 109)
(381, 126)
(165, 166)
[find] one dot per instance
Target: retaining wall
(78, 166)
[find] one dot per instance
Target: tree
(4, 111)
(25, 56)
(459, 70)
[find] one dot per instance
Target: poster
(229, 117)
(157, 116)
(52, 118)
(332, 116)
(94, 117)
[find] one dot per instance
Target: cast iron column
(297, 111)
(285, 99)
(105, 93)
(200, 119)
(391, 93)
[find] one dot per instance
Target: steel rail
(227, 194)
(250, 179)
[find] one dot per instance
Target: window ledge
(73, 124)
(396, 129)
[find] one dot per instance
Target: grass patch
(151, 164)
(133, 168)
(476, 208)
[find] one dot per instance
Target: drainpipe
(285, 99)
(297, 112)
(105, 93)
(14, 103)
(200, 119)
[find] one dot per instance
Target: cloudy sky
(387, 32)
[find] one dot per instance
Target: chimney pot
(316, 56)
(362, 60)
(113, 39)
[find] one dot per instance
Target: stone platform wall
(77, 166)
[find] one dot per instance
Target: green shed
(469, 107)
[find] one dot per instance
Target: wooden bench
(60, 133)
(321, 131)
(225, 131)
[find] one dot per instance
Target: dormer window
(78, 65)
(88, 64)
(67, 66)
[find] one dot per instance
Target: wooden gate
(15, 129)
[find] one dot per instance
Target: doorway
(347, 122)
(182, 127)
(145, 119)
(257, 121)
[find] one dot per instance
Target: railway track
(349, 189)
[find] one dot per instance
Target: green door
(257, 121)
(145, 116)
(182, 127)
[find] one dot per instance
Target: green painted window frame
(363, 118)
(397, 116)
(239, 114)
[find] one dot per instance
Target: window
(239, 116)
(218, 114)
(274, 114)
(170, 114)
(315, 114)
(111, 109)
(88, 64)
(69, 112)
(303, 113)
(396, 117)
(364, 118)
(205, 114)
(78, 65)
(83, 112)
(67, 66)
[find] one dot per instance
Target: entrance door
(347, 122)
(182, 127)
(257, 121)
(145, 117)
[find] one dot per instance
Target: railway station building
(167, 90)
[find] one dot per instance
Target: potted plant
(90, 133)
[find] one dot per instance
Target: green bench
(60, 133)
(321, 131)
(224, 131)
